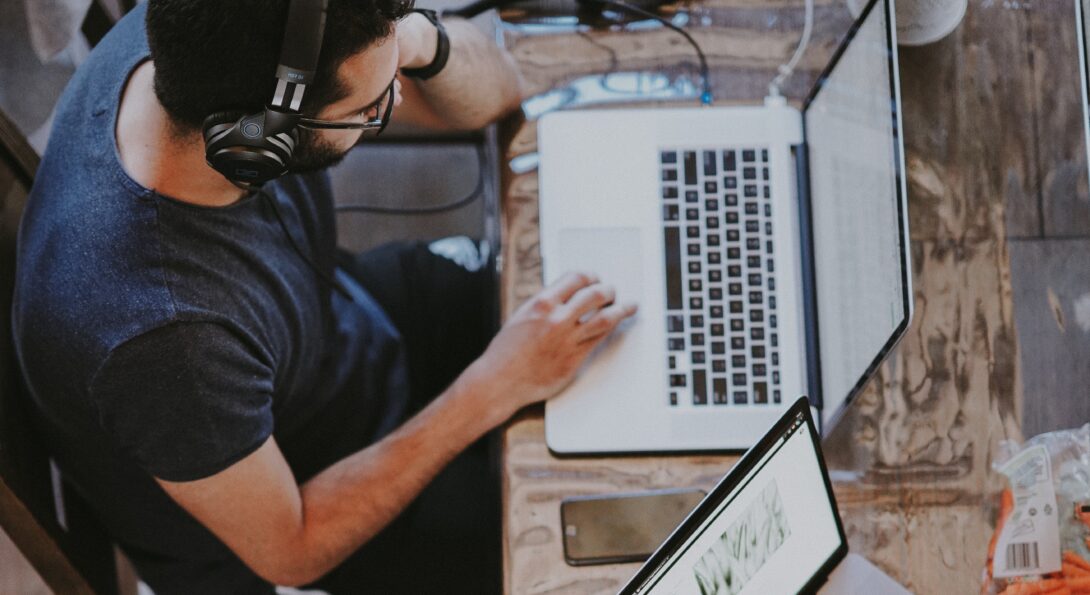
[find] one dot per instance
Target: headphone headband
(299, 52)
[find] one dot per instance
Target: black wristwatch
(442, 49)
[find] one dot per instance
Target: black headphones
(251, 149)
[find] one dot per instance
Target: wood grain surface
(912, 460)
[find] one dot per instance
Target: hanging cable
(330, 281)
(787, 69)
(706, 97)
(477, 191)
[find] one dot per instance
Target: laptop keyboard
(721, 322)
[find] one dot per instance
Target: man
(239, 413)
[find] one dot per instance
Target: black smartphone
(622, 527)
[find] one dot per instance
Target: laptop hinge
(801, 156)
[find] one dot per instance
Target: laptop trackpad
(613, 253)
(855, 574)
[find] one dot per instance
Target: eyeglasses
(377, 124)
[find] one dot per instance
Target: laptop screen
(856, 207)
(770, 530)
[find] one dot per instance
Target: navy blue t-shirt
(163, 339)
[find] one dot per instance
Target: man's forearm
(479, 83)
(350, 502)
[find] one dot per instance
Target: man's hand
(541, 347)
(417, 39)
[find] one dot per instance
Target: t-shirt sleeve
(185, 400)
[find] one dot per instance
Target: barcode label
(1022, 556)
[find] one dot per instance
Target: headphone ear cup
(235, 145)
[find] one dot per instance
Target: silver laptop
(1082, 24)
(767, 248)
(771, 527)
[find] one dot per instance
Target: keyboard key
(732, 217)
(695, 285)
(756, 297)
(736, 307)
(776, 396)
(715, 275)
(760, 392)
(690, 168)
(771, 302)
(673, 362)
(753, 243)
(709, 163)
(714, 258)
(691, 196)
(730, 183)
(768, 247)
(753, 226)
(675, 323)
(752, 209)
(772, 321)
(756, 315)
(755, 279)
(719, 391)
(733, 235)
(759, 370)
(717, 330)
(669, 191)
(768, 228)
(767, 192)
(731, 200)
(692, 231)
(677, 380)
(692, 214)
(771, 268)
(775, 359)
(730, 160)
(711, 204)
(711, 222)
(673, 398)
(757, 333)
(715, 293)
(764, 155)
(700, 388)
(698, 357)
(711, 188)
(776, 377)
(738, 361)
(737, 343)
(693, 249)
(696, 303)
(735, 288)
(768, 210)
(675, 344)
(753, 262)
(668, 156)
(718, 348)
(737, 324)
(694, 266)
(739, 397)
(738, 379)
(734, 253)
(750, 191)
(696, 321)
(758, 351)
(775, 341)
(734, 270)
(669, 175)
(717, 311)
(670, 212)
(749, 173)
(719, 365)
(771, 283)
(764, 173)
(713, 239)
(749, 155)
(673, 269)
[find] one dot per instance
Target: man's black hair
(216, 55)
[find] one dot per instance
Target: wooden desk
(984, 122)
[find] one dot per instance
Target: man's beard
(314, 154)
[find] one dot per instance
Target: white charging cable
(785, 70)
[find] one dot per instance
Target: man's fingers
(604, 322)
(588, 300)
(561, 290)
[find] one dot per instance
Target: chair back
(77, 557)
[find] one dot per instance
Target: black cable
(706, 96)
(333, 283)
(478, 190)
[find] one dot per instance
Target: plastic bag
(1041, 539)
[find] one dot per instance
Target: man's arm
(292, 535)
(479, 83)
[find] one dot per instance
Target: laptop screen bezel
(741, 469)
(813, 326)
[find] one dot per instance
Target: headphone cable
(328, 280)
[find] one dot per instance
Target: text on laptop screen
(854, 166)
(770, 534)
